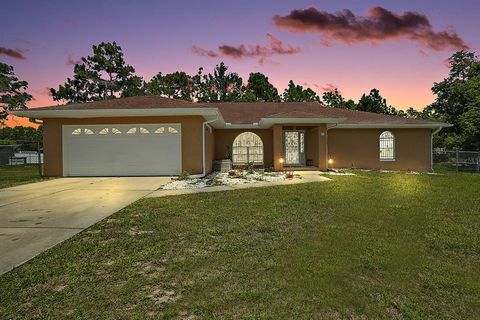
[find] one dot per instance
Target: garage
(122, 150)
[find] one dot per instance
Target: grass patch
(19, 174)
(374, 245)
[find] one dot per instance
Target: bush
(185, 175)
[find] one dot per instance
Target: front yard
(373, 245)
(20, 174)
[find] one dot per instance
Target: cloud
(274, 47)
(72, 61)
(12, 53)
(329, 87)
(204, 53)
(379, 25)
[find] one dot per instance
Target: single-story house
(152, 135)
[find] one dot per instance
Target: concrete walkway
(307, 176)
(37, 216)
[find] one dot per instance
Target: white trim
(272, 121)
(391, 125)
(204, 161)
(102, 113)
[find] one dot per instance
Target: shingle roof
(140, 102)
(246, 112)
(252, 112)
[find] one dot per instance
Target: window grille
(247, 148)
(387, 146)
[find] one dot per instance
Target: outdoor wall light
(281, 160)
(330, 161)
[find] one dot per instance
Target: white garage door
(122, 150)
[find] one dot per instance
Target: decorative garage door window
(247, 148)
(124, 129)
(387, 146)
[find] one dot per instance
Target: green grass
(20, 174)
(375, 245)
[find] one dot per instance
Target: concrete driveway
(37, 216)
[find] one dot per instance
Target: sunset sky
(398, 47)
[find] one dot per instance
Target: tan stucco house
(152, 135)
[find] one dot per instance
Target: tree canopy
(104, 75)
(296, 93)
(261, 89)
(336, 100)
(458, 102)
(13, 94)
(176, 85)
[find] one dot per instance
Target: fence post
(456, 159)
(478, 161)
(39, 159)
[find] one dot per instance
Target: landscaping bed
(233, 177)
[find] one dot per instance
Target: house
(152, 135)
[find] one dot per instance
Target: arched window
(247, 148)
(387, 146)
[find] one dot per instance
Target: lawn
(14, 175)
(375, 245)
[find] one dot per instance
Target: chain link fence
(461, 160)
(22, 153)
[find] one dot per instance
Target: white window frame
(385, 138)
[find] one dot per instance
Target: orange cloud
(274, 47)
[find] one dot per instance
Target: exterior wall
(322, 147)
(224, 140)
(359, 148)
(191, 139)
(209, 149)
(311, 145)
(277, 147)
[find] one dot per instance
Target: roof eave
(386, 125)
(114, 113)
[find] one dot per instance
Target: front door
(294, 147)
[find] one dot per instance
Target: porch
(295, 147)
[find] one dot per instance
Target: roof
(139, 102)
(232, 113)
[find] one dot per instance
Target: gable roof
(232, 113)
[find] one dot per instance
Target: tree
(13, 94)
(177, 85)
(104, 75)
(296, 93)
(221, 86)
(260, 89)
(458, 102)
(375, 103)
(335, 99)
(26, 137)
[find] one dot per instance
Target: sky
(398, 47)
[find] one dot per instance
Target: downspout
(326, 144)
(431, 145)
(204, 125)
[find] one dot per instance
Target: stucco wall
(191, 139)
(209, 149)
(224, 141)
(359, 148)
(311, 145)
